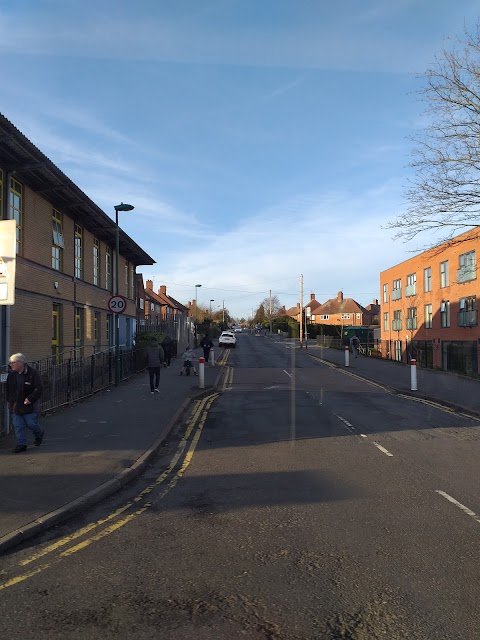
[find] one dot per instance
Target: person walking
(355, 343)
(167, 345)
(206, 344)
(155, 357)
(24, 390)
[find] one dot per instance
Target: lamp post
(197, 286)
(212, 300)
(118, 207)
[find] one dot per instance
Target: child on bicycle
(188, 357)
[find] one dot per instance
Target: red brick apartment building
(66, 248)
(429, 307)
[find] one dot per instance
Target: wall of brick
(450, 251)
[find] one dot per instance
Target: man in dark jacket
(155, 358)
(24, 389)
(206, 343)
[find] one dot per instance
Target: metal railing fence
(67, 380)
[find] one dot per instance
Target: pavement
(90, 450)
(97, 446)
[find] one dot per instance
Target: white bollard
(201, 373)
(347, 357)
(212, 357)
(413, 375)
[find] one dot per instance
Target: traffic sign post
(117, 304)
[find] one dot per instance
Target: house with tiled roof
(343, 311)
(312, 309)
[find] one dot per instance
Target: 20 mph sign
(117, 304)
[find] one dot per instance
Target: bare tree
(445, 193)
(275, 307)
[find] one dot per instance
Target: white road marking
(383, 450)
(288, 374)
(461, 506)
(362, 435)
(344, 421)
(275, 386)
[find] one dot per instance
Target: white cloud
(334, 239)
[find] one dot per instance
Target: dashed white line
(288, 374)
(461, 506)
(383, 450)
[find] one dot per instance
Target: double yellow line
(172, 474)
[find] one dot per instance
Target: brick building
(429, 307)
(65, 271)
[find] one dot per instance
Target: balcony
(465, 274)
(411, 323)
(411, 290)
(396, 325)
(467, 318)
(396, 294)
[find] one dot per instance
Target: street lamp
(118, 207)
(212, 300)
(197, 286)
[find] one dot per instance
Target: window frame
(444, 274)
(78, 252)
(16, 212)
(428, 315)
(427, 279)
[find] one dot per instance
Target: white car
(227, 339)
(237, 329)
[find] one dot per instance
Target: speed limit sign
(117, 304)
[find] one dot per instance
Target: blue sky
(257, 139)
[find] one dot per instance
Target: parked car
(227, 339)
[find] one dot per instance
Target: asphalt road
(297, 503)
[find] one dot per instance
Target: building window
(324, 317)
(108, 268)
(385, 292)
(412, 318)
(132, 282)
(57, 240)
(467, 315)
(78, 333)
(428, 316)
(127, 279)
(108, 330)
(444, 278)
(467, 267)
(312, 318)
(56, 331)
(16, 209)
(345, 316)
(445, 314)
(411, 288)
(427, 279)
(96, 262)
(397, 320)
(359, 315)
(78, 251)
(385, 321)
(96, 331)
(397, 289)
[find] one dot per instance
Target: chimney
(163, 289)
(149, 284)
(312, 297)
(375, 301)
(340, 296)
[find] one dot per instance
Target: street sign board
(117, 304)
(8, 254)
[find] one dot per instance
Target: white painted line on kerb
(288, 374)
(461, 506)
(383, 450)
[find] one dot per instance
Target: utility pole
(270, 314)
(223, 311)
(301, 311)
